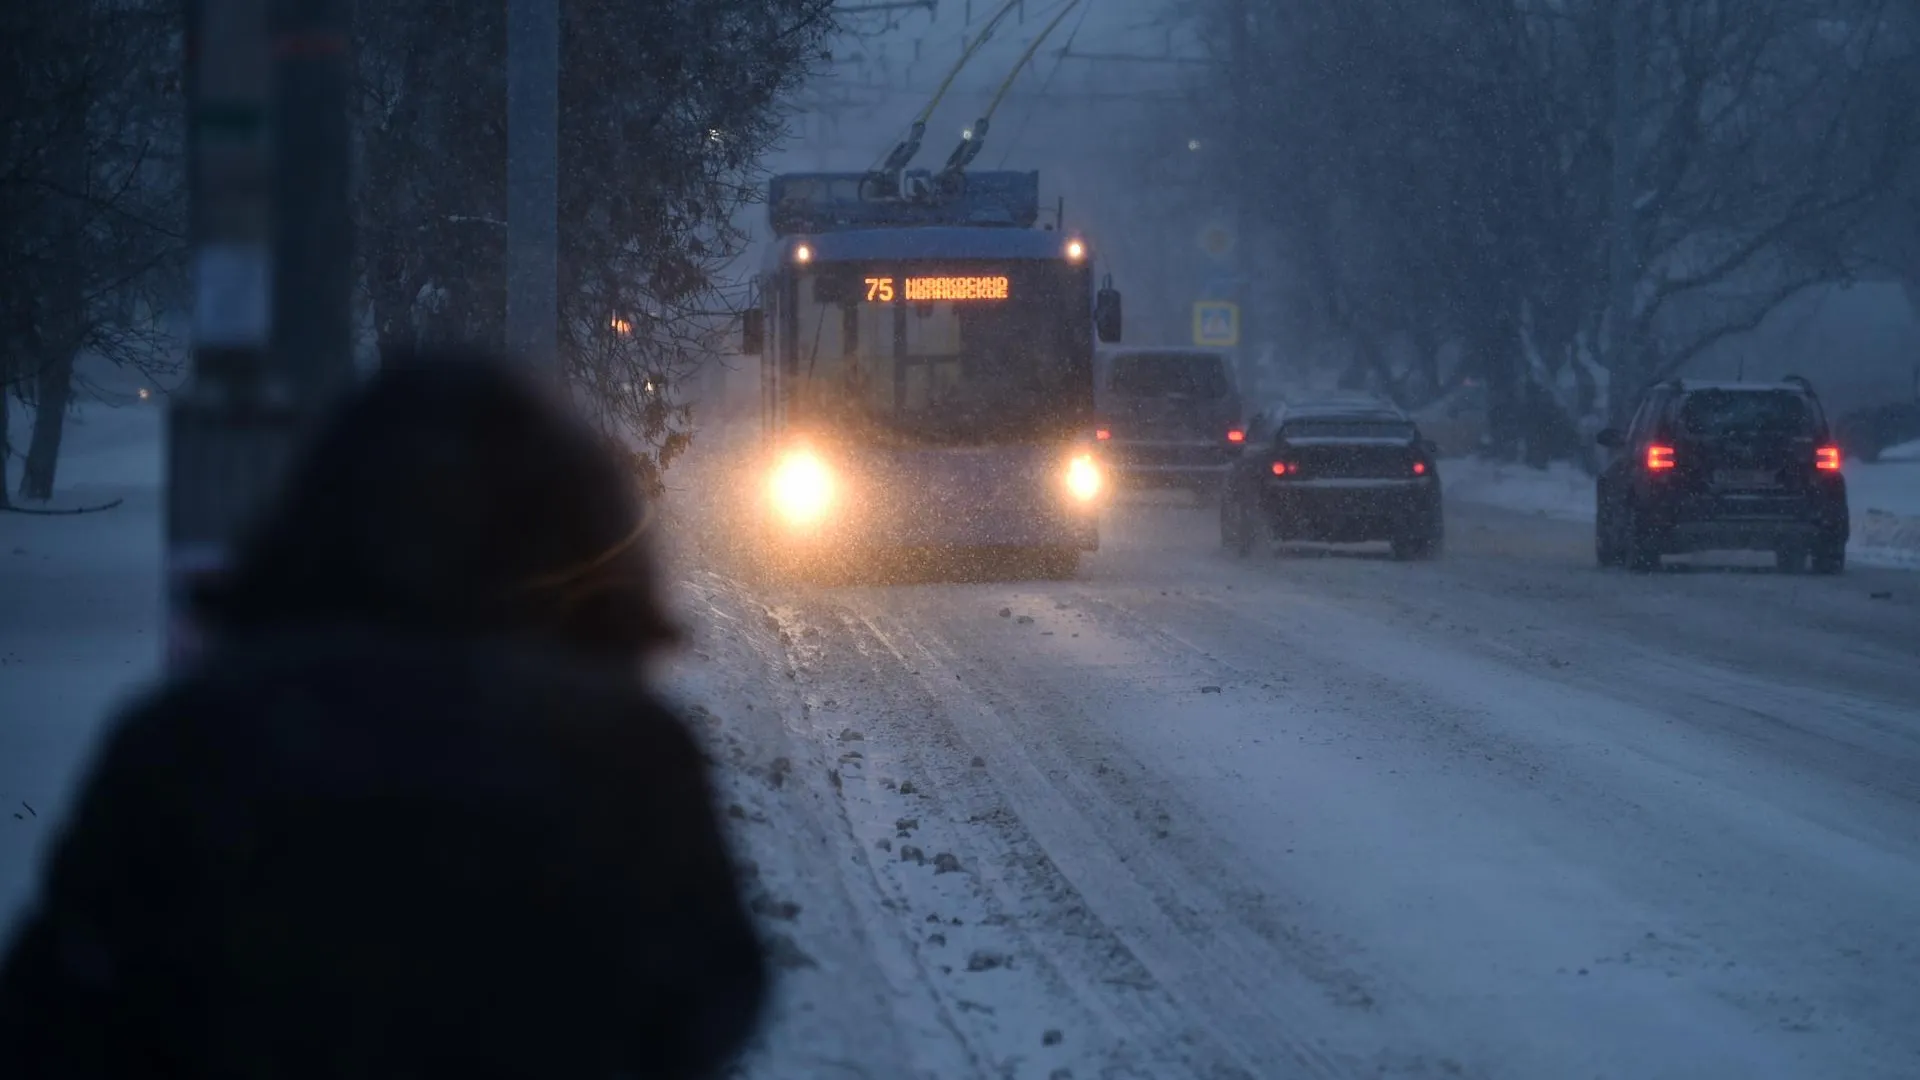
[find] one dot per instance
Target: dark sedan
(1334, 473)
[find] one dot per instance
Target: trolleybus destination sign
(885, 290)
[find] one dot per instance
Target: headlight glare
(1083, 478)
(802, 488)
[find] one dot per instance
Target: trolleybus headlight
(1083, 478)
(802, 488)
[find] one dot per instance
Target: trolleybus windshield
(949, 352)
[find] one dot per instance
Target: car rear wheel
(1236, 531)
(1420, 545)
(1641, 549)
(1830, 557)
(1608, 551)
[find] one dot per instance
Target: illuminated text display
(883, 290)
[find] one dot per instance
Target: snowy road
(1500, 816)
(1503, 815)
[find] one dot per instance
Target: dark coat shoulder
(346, 856)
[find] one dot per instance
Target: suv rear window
(1734, 412)
(1162, 375)
(1346, 429)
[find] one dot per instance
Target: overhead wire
(1027, 56)
(974, 138)
(919, 124)
(1047, 83)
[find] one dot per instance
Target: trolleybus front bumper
(996, 497)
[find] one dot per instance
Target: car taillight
(1419, 468)
(1236, 435)
(1827, 459)
(1659, 458)
(1280, 468)
(1103, 434)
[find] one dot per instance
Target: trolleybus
(927, 371)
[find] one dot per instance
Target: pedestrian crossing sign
(1216, 324)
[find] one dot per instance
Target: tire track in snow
(1251, 997)
(1036, 914)
(1657, 816)
(847, 1001)
(963, 942)
(1855, 724)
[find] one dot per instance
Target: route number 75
(880, 289)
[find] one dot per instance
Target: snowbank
(1885, 498)
(1560, 491)
(1886, 504)
(79, 620)
(104, 448)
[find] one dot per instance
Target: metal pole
(1623, 376)
(222, 430)
(1241, 61)
(313, 319)
(533, 179)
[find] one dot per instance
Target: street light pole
(533, 180)
(228, 424)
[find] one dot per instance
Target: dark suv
(1723, 467)
(1169, 417)
(1334, 471)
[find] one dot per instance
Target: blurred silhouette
(414, 813)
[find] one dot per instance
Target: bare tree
(91, 200)
(1440, 172)
(1777, 132)
(665, 109)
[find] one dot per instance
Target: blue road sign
(1216, 324)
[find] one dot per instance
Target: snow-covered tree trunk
(52, 397)
(6, 432)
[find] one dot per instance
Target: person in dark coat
(413, 814)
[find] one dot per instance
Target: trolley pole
(223, 440)
(533, 180)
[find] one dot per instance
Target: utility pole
(1241, 176)
(273, 292)
(228, 426)
(313, 323)
(1623, 373)
(533, 180)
